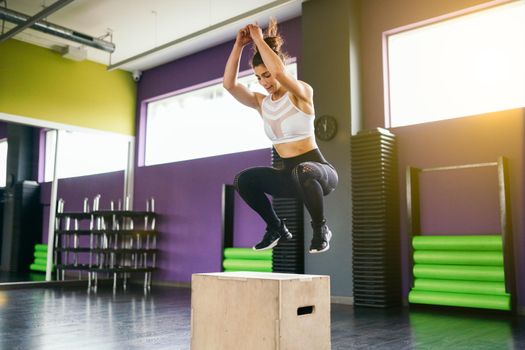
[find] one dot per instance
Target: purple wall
(188, 194)
(188, 198)
(460, 201)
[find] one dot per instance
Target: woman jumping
(288, 115)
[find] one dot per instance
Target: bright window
(463, 66)
(203, 123)
(82, 153)
(3, 162)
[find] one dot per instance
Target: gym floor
(73, 318)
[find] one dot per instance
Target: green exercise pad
(441, 257)
(478, 242)
(40, 261)
(235, 270)
(498, 302)
(455, 286)
(41, 255)
(36, 267)
(40, 247)
(247, 253)
(248, 265)
(458, 272)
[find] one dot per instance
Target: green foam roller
(474, 242)
(41, 255)
(36, 267)
(498, 302)
(40, 247)
(40, 261)
(441, 257)
(247, 253)
(234, 270)
(247, 265)
(454, 286)
(458, 272)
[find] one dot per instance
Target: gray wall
(328, 28)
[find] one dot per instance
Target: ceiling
(148, 33)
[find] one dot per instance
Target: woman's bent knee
(246, 178)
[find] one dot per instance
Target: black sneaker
(272, 237)
(321, 239)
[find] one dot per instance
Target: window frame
(46, 161)
(2, 141)
(142, 125)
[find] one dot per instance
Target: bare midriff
(295, 148)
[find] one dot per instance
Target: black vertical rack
(227, 211)
(288, 256)
(376, 258)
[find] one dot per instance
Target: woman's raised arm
(230, 82)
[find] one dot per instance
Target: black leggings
(308, 177)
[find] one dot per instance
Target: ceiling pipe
(32, 20)
(23, 21)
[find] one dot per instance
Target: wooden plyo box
(260, 311)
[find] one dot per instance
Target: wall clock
(325, 127)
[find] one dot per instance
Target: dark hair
(274, 41)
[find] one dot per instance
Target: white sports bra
(284, 122)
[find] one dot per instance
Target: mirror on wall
(88, 163)
(20, 217)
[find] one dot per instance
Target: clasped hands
(252, 32)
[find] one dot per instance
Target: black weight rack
(116, 243)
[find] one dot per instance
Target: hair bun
(275, 42)
(273, 39)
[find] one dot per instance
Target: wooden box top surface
(260, 275)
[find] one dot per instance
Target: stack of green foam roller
(40, 262)
(247, 259)
(459, 271)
